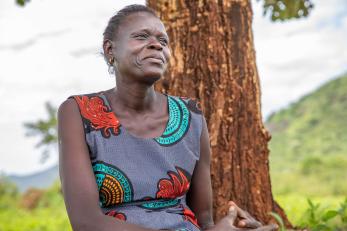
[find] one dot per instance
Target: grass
(295, 205)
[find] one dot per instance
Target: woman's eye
(163, 41)
(142, 36)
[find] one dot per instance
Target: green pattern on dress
(178, 125)
(160, 204)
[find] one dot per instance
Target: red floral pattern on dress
(94, 110)
(120, 216)
(188, 215)
(175, 187)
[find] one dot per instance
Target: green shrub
(318, 218)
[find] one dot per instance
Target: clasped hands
(240, 220)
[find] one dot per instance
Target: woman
(132, 158)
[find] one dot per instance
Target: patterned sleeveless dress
(143, 181)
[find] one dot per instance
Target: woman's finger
(249, 223)
(271, 227)
(246, 221)
(241, 213)
(232, 215)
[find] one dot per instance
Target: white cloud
(297, 56)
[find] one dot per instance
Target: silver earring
(111, 60)
(110, 66)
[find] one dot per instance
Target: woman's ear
(108, 46)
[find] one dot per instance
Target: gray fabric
(144, 162)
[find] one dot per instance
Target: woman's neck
(136, 96)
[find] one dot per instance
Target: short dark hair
(114, 22)
(112, 27)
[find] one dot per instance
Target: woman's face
(141, 48)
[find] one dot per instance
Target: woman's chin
(153, 74)
(150, 77)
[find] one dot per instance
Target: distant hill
(43, 179)
(308, 149)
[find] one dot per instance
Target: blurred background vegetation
(308, 152)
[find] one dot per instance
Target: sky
(50, 50)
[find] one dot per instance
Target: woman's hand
(243, 219)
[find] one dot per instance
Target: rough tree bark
(213, 60)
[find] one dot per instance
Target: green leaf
(45, 129)
(329, 215)
(287, 9)
(279, 220)
(310, 203)
(22, 2)
(322, 227)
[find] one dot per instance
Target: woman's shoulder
(79, 99)
(89, 95)
(93, 109)
(76, 101)
(192, 103)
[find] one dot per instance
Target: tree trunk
(213, 60)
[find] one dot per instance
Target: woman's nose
(155, 44)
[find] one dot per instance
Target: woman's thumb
(232, 215)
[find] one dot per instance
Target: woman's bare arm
(199, 197)
(77, 178)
